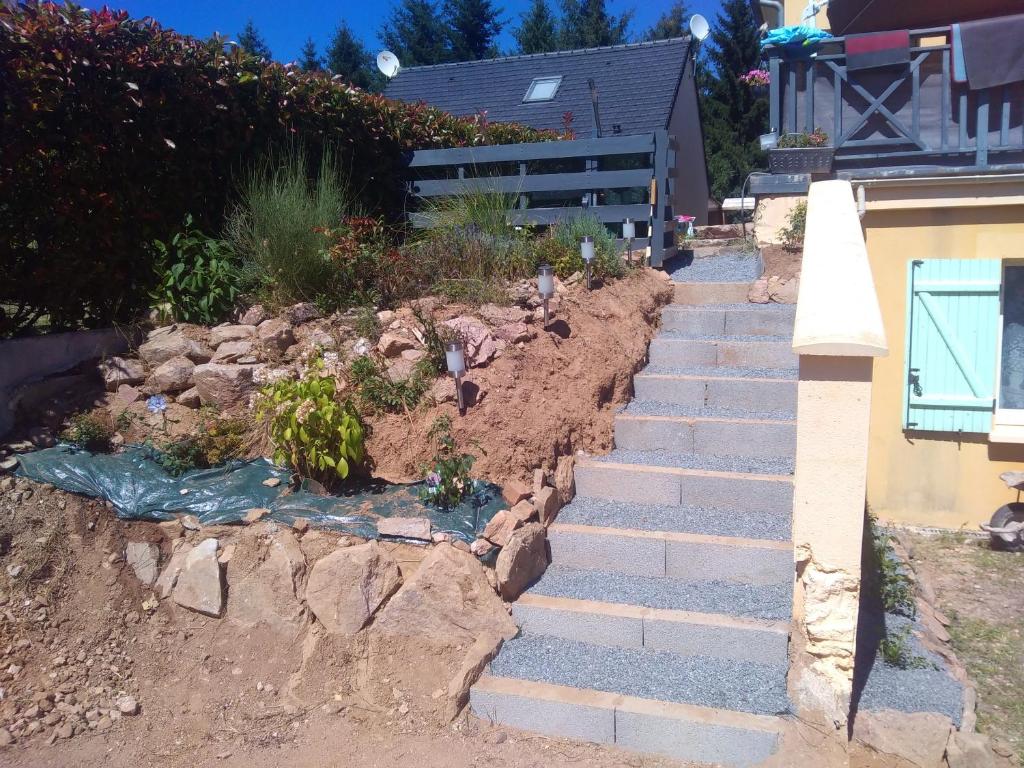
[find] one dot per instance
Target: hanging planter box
(801, 160)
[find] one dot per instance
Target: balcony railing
(911, 115)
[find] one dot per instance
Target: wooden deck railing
(914, 114)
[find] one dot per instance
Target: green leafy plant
(895, 586)
(897, 652)
(447, 479)
(568, 232)
(313, 430)
(792, 233)
(216, 441)
(90, 432)
(435, 339)
(803, 140)
(366, 324)
(198, 279)
(377, 392)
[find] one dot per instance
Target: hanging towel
(877, 49)
(993, 51)
(959, 64)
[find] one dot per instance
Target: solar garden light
(587, 252)
(628, 233)
(546, 287)
(456, 359)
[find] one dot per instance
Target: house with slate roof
(640, 87)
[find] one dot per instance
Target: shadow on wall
(996, 451)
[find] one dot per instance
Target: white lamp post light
(456, 359)
(587, 252)
(628, 233)
(546, 287)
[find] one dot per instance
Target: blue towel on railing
(797, 42)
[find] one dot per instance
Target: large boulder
(565, 479)
(346, 587)
(255, 315)
(225, 333)
(969, 750)
(275, 335)
(167, 342)
(447, 601)
(394, 344)
(480, 346)
(120, 371)
(200, 585)
(173, 376)
(232, 351)
(265, 577)
(223, 385)
(302, 313)
(521, 561)
(180, 550)
(918, 737)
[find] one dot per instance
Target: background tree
(309, 59)
(252, 41)
(538, 30)
(672, 23)
(348, 57)
(734, 116)
(416, 33)
(473, 27)
(587, 24)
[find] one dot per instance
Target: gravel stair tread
(754, 465)
(674, 334)
(606, 513)
(722, 268)
(785, 309)
(655, 408)
(649, 674)
(789, 374)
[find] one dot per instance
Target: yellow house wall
(932, 479)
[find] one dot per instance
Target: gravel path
(909, 690)
(701, 680)
(782, 309)
(675, 333)
(724, 268)
(652, 517)
(754, 601)
(753, 464)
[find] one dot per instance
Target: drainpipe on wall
(780, 18)
(862, 201)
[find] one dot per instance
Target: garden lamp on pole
(546, 287)
(456, 359)
(587, 252)
(628, 233)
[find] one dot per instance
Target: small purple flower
(156, 404)
(433, 479)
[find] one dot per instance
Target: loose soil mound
(550, 398)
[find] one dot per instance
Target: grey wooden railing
(889, 116)
(558, 179)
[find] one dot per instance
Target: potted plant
(802, 153)
(757, 80)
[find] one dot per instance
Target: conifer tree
(416, 33)
(348, 57)
(473, 27)
(587, 24)
(309, 59)
(538, 30)
(672, 23)
(250, 39)
(734, 116)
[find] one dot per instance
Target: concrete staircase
(662, 624)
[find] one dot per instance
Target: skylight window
(543, 89)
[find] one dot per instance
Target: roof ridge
(549, 54)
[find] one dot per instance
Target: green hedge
(114, 128)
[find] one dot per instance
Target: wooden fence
(612, 178)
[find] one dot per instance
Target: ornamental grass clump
(568, 259)
(313, 429)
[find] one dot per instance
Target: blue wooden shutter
(952, 327)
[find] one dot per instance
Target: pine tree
(473, 27)
(348, 57)
(416, 33)
(250, 39)
(673, 23)
(734, 117)
(538, 30)
(309, 59)
(587, 24)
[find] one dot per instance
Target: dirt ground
(980, 590)
(781, 261)
(552, 398)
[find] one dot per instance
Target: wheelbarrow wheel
(1006, 514)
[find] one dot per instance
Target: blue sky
(286, 25)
